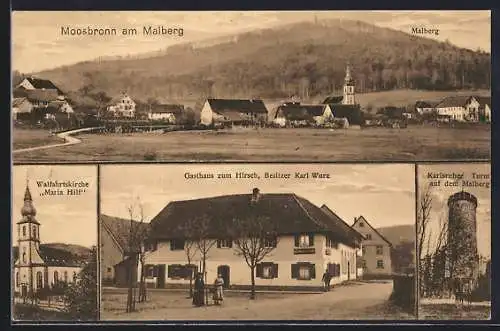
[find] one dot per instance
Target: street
(354, 301)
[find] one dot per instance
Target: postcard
(54, 238)
(251, 86)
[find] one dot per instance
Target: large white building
(307, 242)
(122, 106)
(39, 266)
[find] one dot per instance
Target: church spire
(28, 208)
(348, 77)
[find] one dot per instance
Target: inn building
(308, 240)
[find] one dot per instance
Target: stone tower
(349, 94)
(463, 258)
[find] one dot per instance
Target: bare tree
(254, 240)
(423, 235)
(134, 254)
(190, 251)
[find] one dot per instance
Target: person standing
(326, 280)
(218, 289)
(199, 291)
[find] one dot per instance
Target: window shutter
(295, 271)
(338, 269)
(218, 243)
(275, 270)
(297, 241)
(311, 240)
(331, 269)
(312, 271)
(258, 271)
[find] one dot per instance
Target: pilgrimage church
(38, 266)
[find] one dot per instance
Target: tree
(423, 235)
(255, 238)
(81, 296)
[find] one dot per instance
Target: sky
(64, 219)
(37, 42)
(383, 194)
(440, 195)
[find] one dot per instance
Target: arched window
(56, 277)
(74, 276)
(34, 232)
(17, 279)
(24, 230)
(65, 276)
(24, 254)
(39, 279)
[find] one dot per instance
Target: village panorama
(293, 92)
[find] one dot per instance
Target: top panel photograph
(292, 86)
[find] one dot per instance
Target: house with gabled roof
(114, 233)
(376, 250)
(233, 112)
(307, 241)
(33, 83)
(297, 114)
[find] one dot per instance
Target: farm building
(122, 106)
(233, 112)
(37, 266)
(306, 241)
(376, 250)
(32, 83)
(296, 114)
(21, 108)
(425, 107)
(165, 112)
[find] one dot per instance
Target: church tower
(349, 95)
(28, 235)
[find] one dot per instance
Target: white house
(233, 112)
(165, 112)
(122, 106)
(456, 108)
(376, 260)
(37, 266)
(307, 241)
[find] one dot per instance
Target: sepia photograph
(454, 241)
(54, 243)
(251, 86)
(257, 242)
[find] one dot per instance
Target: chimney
(255, 195)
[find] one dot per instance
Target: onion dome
(28, 208)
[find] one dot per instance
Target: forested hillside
(305, 59)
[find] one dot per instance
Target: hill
(306, 59)
(398, 233)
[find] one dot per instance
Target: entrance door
(223, 270)
(160, 279)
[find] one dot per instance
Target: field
(25, 138)
(354, 301)
(371, 144)
(453, 312)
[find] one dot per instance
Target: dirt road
(355, 301)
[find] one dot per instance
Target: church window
(65, 276)
(56, 277)
(24, 230)
(34, 232)
(39, 279)
(24, 254)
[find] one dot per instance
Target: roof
(342, 226)
(288, 213)
(238, 105)
(296, 112)
(425, 104)
(167, 108)
(57, 256)
(333, 99)
(353, 113)
(454, 101)
(377, 232)
(42, 95)
(39, 83)
(118, 99)
(56, 103)
(119, 229)
(483, 100)
(18, 101)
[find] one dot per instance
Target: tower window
(34, 232)
(24, 230)
(24, 254)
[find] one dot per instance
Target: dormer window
(368, 236)
(361, 224)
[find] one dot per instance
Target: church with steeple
(37, 266)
